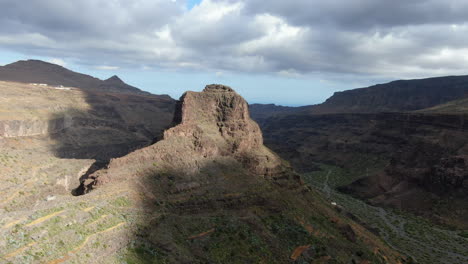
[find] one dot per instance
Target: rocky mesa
(211, 126)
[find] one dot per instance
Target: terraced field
(59, 230)
(42, 222)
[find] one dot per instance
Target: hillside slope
(397, 96)
(213, 193)
(36, 71)
(49, 138)
(82, 124)
(260, 112)
(459, 106)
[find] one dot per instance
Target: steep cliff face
(213, 125)
(27, 128)
(223, 114)
(219, 118)
(397, 96)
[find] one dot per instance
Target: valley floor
(411, 235)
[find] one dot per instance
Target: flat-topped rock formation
(211, 125)
(218, 88)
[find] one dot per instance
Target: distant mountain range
(36, 71)
(396, 96)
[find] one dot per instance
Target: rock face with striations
(212, 126)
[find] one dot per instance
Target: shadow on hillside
(106, 126)
(171, 215)
(224, 214)
(175, 209)
(221, 214)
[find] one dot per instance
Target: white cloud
(210, 11)
(291, 73)
(290, 38)
(58, 62)
(275, 32)
(106, 68)
(33, 39)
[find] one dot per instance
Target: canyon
(408, 161)
(402, 142)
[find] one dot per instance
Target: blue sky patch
(192, 3)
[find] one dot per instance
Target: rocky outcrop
(26, 128)
(450, 174)
(38, 127)
(212, 126)
(211, 177)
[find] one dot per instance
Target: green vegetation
(121, 202)
(144, 254)
(464, 234)
(362, 166)
(413, 235)
(235, 242)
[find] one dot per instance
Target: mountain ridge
(394, 96)
(37, 71)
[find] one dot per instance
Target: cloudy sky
(292, 52)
